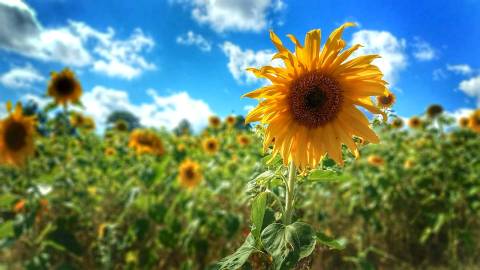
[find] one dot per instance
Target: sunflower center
(15, 136)
(65, 86)
(315, 99)
(190, 173)
(145, 141)
(386, 100)
(211, 145)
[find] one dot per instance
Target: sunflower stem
(289, 194)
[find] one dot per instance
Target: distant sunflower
(89, 123)
(386, 101)
(414, 122)
(375, 160)
(397, 123)
(211, 145)
(77, 120)
(121, 125)
(214, 121)
(243, 140)
(64, 87)
(310, 109)
(434, 110)
(189, 174)
(110, 151)
(16, 137)
(230, 120)
(463, 122)
(146, 142)
(474, 121)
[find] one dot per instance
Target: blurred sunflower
(434, 110)
(77, 120)
(243, 140)
(110, 151)
(409, 163)
(89, 123)
(214, 121)
(121, 125)
(210, 145)
(414, 122)
(230, 120)
(146, 142)
(474, 121)
(375, 160)
(189, 174)
(397, 123)
(386, 101)
(64, 87)
(463, 122)
(16, 137)
(311, 107)
(181, 147)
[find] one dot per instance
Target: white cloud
(471, 87)
(423, 50)
(22, 33)
(389, 47)
(239, 60)
(166, 111)
(248, 108)
(190, 38)
(233, 15)
(21, 77)
(462, 69)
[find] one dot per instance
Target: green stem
(289, 194)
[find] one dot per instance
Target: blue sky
(174, 59)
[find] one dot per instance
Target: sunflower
(397, 123)
(386, 101)
(16, 137)
(146, 141)
(214, 121)
(414, 122)
(434, 110)
(121, 125)
(77, 120)
(463, 122)
(310, 109)
(64, 87)
(375, 160)
(89, 123)
(210, 145)
(230, 120)
(110, 151)
(189, 174)
(474, 121)
(243, 140)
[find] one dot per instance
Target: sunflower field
(311, 184)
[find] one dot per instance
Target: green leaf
(258, 212)
(288, 244)
(6, 200)
(7, 229)
(50, 106)
(325, 176)
(239, 258)
(332, 243)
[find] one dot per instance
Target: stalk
(289, 194)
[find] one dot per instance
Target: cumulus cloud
(162, 111)
(21, 77)
(471, 87)
(389, 47)
(462, 69)
(423, 51)
(22, 33)
(239, 59)
(233, 15)
(461, 112)
(190, 38)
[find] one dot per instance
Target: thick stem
(289, 194)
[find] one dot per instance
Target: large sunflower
(474, 121)
(16, 137)
(189, 174)
(310, 109)
(64, 87)
(146, 142)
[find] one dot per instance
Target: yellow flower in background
(474, 121)
(409, 163)
(64, 87)
(397, 123)
(89, 123)
(214, 121)
(463, 122)
(386, 101)
(434, 110)
(310, 109)
(414, 122)
(189, 174)
(121, 125)
(375, 160)
(110, 151)
(243, 140)
(146, 142)
(181, 147)
(230, 120)
(16, 137)
(77, 120)
(211, 145)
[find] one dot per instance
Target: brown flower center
(15, 136)
(64, 86)
(211, 145)
(386, 100)
(315, 99)
(190, 173)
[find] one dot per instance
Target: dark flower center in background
(15, 136)
(65, 86)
